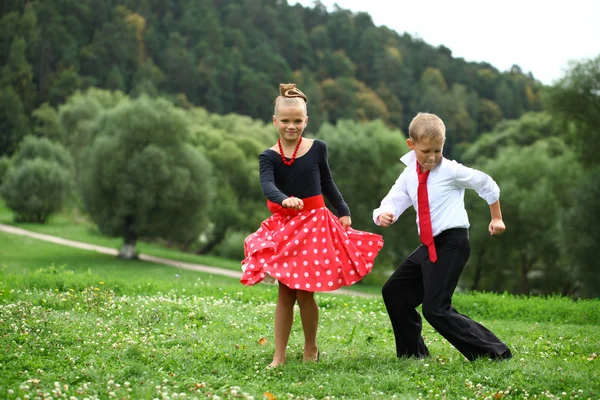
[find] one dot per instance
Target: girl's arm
(329, 188)
(267, 180)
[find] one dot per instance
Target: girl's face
(428, 152)
(290, 121)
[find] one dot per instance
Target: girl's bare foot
(275, 364)
(311, 354)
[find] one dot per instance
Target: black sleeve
(267, 180)
(329, 187)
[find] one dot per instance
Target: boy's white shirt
(446, 186)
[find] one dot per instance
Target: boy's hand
(386, 219)
(496, 227)
(293, 202)
(346, 221)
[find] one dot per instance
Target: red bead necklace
(286, 162)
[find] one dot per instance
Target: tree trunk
(129, 241)
(570, 288)
(524, 271)
(211, 244)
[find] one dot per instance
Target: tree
(525, 131)
(536, 184)
(583, 233)
(17, 73)
(65, 84)
(241, 206)
(46, 123)
(14, 124)
(77, 115)
(576, 100)
(115, 45)
(488, 115)
(39, 181)
(4, 166)
(44, 148)
(147, 79)
(142, 178)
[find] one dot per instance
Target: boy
(435, 187)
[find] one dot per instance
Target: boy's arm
(481, 182)
(496, 226)
(395, 202)
(487, 189)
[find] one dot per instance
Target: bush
(35, 189)
(33, 147)
(232, 246)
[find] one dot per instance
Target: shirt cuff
(491, 197)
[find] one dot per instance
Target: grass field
(73, 226)
(78, 324)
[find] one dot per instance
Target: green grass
(94, 326)
(73, 226)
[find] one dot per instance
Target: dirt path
(144, 257)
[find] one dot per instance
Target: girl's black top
(308, 176)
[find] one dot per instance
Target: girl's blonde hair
(290, 95)
(427, 126)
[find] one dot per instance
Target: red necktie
(426, 233)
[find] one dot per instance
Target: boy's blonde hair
(290, 95)
(427, 126)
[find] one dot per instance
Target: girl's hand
(346, 221)
(293, 202)
(496, 227)
(386, 219)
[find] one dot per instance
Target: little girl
(303, 245)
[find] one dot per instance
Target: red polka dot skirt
(308, 250)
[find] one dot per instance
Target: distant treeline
(229, 56)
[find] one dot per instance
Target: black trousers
(419, 281)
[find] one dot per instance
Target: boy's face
(290, 122)
(428, 152)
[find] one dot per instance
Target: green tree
(524, 131)
(77, 118)
(576, 100)
(46, 123)
(179, 67)
(18, 74)
(4, 166)
(147, 79)
(33, 147)
(142, 178)
(583, 234)
(9, 25)
(488, 115)
(241, 206)
(536, 184)
(65, 84)
(14, 124)
(115, 45)
(39, 181)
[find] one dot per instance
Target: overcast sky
(539, 36)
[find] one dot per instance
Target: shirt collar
(409, 158)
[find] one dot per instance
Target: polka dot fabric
(308, 250)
